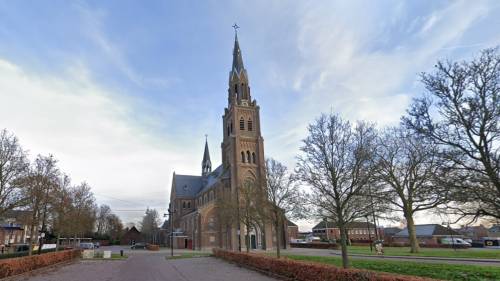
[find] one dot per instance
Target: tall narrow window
(236, 88)
(242, 124)
(250, 125)
(184, 205)
(253, 157)
(248, 157)
(189, 205)
(244, 94)
(231, 126)
(243, 157)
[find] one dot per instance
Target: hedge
(307, 271)
(153, 247)
(14, 266)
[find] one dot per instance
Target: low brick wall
(153, 247)
(14, 266)
(307, 271)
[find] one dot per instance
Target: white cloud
(74, 119)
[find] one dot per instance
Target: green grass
(432, 270)
(430, 252)
(189, 255)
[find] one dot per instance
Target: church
(198, 220)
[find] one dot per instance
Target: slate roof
(427, 230)
(190, 186)
(391, 230)
(351, 225)
(237, 59)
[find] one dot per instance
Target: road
(147, 266)
(336, 253)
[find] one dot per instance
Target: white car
(455, 241)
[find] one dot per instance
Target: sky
(123, 92)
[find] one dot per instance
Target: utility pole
(170, 215)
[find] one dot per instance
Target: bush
(153, 247)
(14, 266)
(307, 271)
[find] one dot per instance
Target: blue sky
(123, 92)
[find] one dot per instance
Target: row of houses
(363, 232)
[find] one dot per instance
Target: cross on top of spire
(235, 26)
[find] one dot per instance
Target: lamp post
(170, 216)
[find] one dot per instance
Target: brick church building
(196, 200)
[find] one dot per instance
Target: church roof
(190, 186)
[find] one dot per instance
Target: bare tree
(408, 172)
(337, 162)
(149, 224)
(83, 213)
(38, 186)
(62, 201)
(284, 197)
(13, 166)
(103, 213)
(114, 227)
(461, 112)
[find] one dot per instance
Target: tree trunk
(32, 231)
(278, 228)
(412, 234)
(343, 242)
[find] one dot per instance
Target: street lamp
(170, 215)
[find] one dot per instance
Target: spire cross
(235, 26)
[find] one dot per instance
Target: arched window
(228, 132)
(205, 199)
(250, 125)
(236, 88)
(253, 157)
(243, 157)
(248, 157)
(184, 205)
(231, 126)
(242, 124)
(211, 196)
(189, 205)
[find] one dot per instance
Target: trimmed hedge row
(317, 245)
(308, 271)
(153, 247)
(10, 267)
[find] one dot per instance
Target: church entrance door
(253, 242)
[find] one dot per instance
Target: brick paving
(147, 266)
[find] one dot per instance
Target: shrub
(14, 266)
(307, 271)
(153, 247)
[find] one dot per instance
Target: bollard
(121, 253)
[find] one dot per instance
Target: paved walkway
(147, 266)
(336, 253)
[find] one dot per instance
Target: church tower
(243, 145)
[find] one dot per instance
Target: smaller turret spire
(206, 164)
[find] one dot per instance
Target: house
(131, 237)
(473, 232)
(13, 227)
(427, 234)
(389, 233)
(292, 230)
(494, 231)
(356, 231)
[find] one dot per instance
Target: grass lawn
(431, 252)
(432, 270)
(189, 255)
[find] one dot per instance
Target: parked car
(87, 245)
(97, 245)
(139, 245)
(455, 241)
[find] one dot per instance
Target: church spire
(239, 89)
(237, 58)
(206, 164)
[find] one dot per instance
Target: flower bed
(307, 271)
(14, 266)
